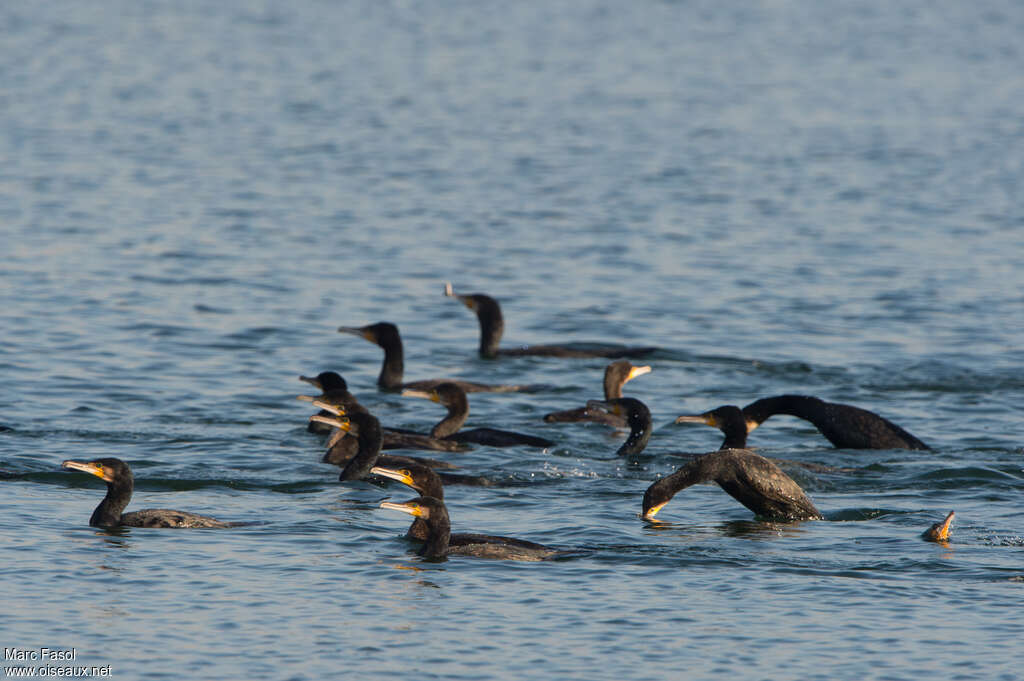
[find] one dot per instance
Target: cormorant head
(728, 419)
(619, 373)
(421, 478)
(326, 381)
(431, 510)
(110, 470)
(381, 333)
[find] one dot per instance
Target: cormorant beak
(326, 406)
(751, 424)
(653, 511)
(343, 424)
(357, 331)
(312, 380)
(407, 507)
(940, 531)
(705, 419)
(400, 476)
(638, 371)
(468, 301)
(91, 468)
(428, 395)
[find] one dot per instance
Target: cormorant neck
(458, 412)
(735, 438)
(492, 325)
(438, 535)
(613, 381)
(393, 368)
(639, 432)
(801, 406)
(369, 450)
(108, 513)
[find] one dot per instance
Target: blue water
(786, 197)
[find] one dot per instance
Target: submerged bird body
(440, 542)
(454, 399)
(845, 426)
(492, 327)
(616, 375)
(751, 479)
(385, 335)
(939, 532)
(120, 484)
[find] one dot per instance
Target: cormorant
(751, 479)
(120, 484)
(452, 397)
(636, 415)
(367, 431)
(334, 390)
(422, 479)
(385, 334)
(440, 543)
(939, 532)
(340, 450)
(492, 326)
(616, 375)
(845, 426)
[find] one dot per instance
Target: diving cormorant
(939, 532)
(751, 479)
(120, 484)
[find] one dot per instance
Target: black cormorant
(492, 326)
(334, 390)
(120, 484)
(367, 431)
(616, 375)
(845, 426)
(636, 415)
(452, 397)
(385, 334)
(751, 479)
(440, 543)
(340, 450)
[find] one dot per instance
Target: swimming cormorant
(492, 326)
(440, 543)
(385, 334)
(367, 431)
(452, 397)
(334, 390)
(939, 532)
(845, 426)
(636, 415)
(339, 450)
(751, 479)
(120, 484)
(616, 375)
